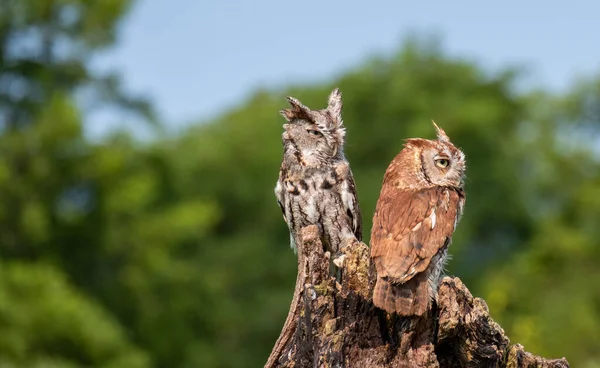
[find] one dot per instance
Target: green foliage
(547, 294)
(46, 322)
(45, 48)
(174, 254)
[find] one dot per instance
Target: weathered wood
(334, 324)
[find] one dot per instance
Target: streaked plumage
(315, 183)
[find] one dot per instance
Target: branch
(332, 324)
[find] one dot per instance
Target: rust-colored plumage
(419, 206)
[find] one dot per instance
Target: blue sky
(197, 58)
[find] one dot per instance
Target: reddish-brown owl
(419, 206)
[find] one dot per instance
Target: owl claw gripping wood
(419, 206)
(315, 185)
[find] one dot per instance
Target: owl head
(317, 135)
(432, 162)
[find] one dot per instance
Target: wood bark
(334, 324)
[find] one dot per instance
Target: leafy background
(171, 252)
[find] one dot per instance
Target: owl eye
(442, 163)
(316, 133)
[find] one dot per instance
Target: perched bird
(420, 204)
(315, 185)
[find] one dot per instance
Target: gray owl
(315, 185)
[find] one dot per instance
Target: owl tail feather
(408, 299)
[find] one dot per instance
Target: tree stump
(333, 324)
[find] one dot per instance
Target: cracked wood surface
(333, 324)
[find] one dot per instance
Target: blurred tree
(548, 294)
(47, 323)
(46, 188)
(46, 47)
(174, 253)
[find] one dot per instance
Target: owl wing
(279, 194)
(350, 202)
(347, 191)
(410, 227)
(280, 198)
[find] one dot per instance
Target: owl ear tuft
(287, 114)
(334, 106)
(297, 110)
(441, 135)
